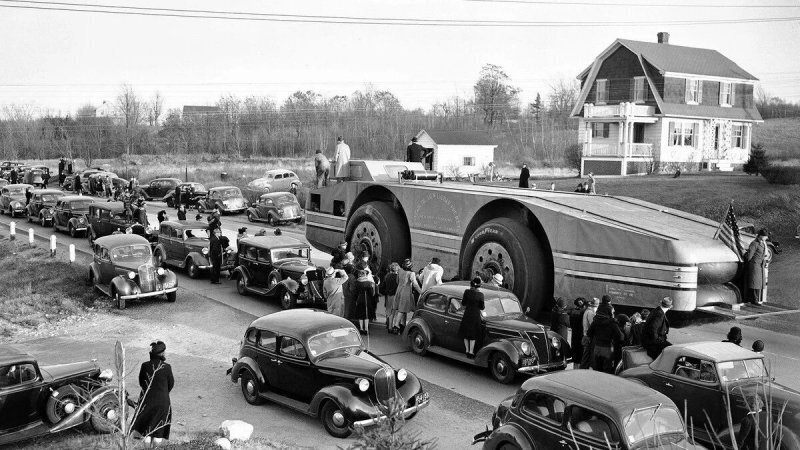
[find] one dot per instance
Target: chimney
(663, 37)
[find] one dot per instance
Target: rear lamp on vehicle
(402, 374)
(161, 271)
(131, 275)
(205, 250)
(556, 342)
(363, 384)
(106, 374)
(303, 279)
(526, 348)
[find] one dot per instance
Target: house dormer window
(694, 92)
(639, 90)
(726, 93)
(602, 92)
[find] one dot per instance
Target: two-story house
(647, 106)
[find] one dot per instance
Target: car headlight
(363, 384)
(81, 220)
(555, 342)
(131, 275)
(106, 374)
(526, 348)
(160, 271)
(304, 279)
(402, 374)
(205, 250)
(16, 204)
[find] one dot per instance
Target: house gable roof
(452, 137)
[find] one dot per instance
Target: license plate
(421, 398)
(529, 361)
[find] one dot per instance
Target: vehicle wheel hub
(500, 366)
(338, 418)
(417, 341)
(492, 258)
(69, 407)
(251, 387)
(366, 238)
(111, 415)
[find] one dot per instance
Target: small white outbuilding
(457, 153)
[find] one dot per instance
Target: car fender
(122, 285)
(290, 285)
(198, 258)
(240, 272)
(253, 211)
(565, 349)
(247, 363)
(94, 272)
(341, 395)
(420, 323)
(76, 223)
(160, 248)
(502, 346)
(508, 433)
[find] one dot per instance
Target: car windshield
(230, 193)
(196, 233)
(291, 252)
(653, 426)
(501, 305)
(283, 199)
(79, 204)
(339, 339)
(197, 187)
(16, 190)
(138, 253)
(741, 370)
(50, 197)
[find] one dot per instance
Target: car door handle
(668, 385)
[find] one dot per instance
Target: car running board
(297, 405)
(103, 289)
(453, 355)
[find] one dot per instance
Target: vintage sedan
(3, 182)
(585, 409)
(185, 244)
(69, 180)
(70, 213)
(40, 209)
(158, 188)
(12, 199)
(279, 266)
(511, 343)
(228, 198)
(705, 376)
(37, 176)
(123, 268)
(105, 218)
(316, 363)
(191, 192)
(36, 400)
(7, 166)
(277, 180)
(275, 208)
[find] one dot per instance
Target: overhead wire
(645, 4)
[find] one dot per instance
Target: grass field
(780, 138)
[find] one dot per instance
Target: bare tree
(495, 96)
(155, 107)
(130, 112)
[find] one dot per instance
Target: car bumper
(407, 412)
(149, 294)
(234, 210)
(539, 368)
(79, 228)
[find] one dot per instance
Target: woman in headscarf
(404, 297)
(471, 327)
(154, 413)
(333, 290)
(365, 293)
(389, 288)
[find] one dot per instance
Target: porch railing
(618, 150)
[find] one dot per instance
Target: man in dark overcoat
(757, 260)
(524, 176)
(415, 152)
(656, 329)
(215, 254)
(12, 177)
(153, 416)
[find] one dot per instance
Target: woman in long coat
(757, 259)
(389, 290)
(154, 412)
(404, 297)
(365, 293)
(471, 326)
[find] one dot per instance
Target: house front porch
(619, 139)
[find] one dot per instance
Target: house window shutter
(695, 135)
(606, 129)
(687, 95)
(733, 94)
(721, 93)
(671, 139)
(700, 91)
(745, 137)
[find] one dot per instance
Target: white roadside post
(52, 245)
(12, 233)
(30, 236)
(71, 253)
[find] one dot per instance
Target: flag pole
(719, 227)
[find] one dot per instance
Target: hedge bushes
(781, 174)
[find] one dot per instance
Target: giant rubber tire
(527, 256)
(510, 372)
(249, 382)
(789, 439)
(326, 416)
(54, 408)
(422, 349)
(392, 233)
(99, 416)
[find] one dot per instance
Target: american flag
(728, 232)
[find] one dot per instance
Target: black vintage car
(191, 193)
(12, 199)
(7, 166)
(275, 208)
(279, 266)
(158, 188)
(512, 342)
(316, 363)
(40, 209)
(37, 400)
(37, 176)
(124, 269)
(229, 199)
(185, 244)
(105, 218)
(70, 212)
(584, 409)
(69, 180)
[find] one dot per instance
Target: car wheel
(241, 285)
(288, 300)
(272, 281)
(172, 296)
(250, 388)
(373, 228)
(270, 220)
(119, 300)
(250, 217)
(105, 414)
(334, 421)
(73, 232)
(43, 221)
(65, 403)
(192, 270)
(501, 368)
(789, 438)
(508, 446)
(418, 342)
(508, 247)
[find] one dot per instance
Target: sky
(57, 61)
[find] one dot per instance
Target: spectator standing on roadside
(182, 212)
(127, 201)
(214, 221)
(576, 324)
(605, 335)
(757, 260)
(559, 318)
(470, 328)
(12, 177)
(153, 417)
(342, 159)
(333, 291)
(432, 275)
(61, 164)
(407, 284)
(177, 198)
(524, 176)
(28, 196)
(389, 290)
(339, 255)
(415, 152)
(734, 336)
(162, 216)
(365, 294)
(637, 327)
(586, 341)
(77, 184)
(322, 167)
(215, 254)
(656, 329)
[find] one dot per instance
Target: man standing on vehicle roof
(654, 338)
(342, 159)
(322, 167)
(415, 152)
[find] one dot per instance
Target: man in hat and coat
(757, 260)
(154, 411)
(524, 176)
(215, 254)
(656, 329)
(586, 341)
(415, 152)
